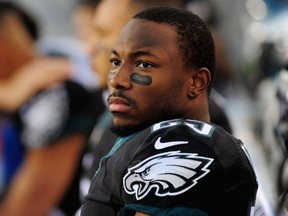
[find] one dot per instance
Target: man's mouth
(118, 104)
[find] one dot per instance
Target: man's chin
(126, 130)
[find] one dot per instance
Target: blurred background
(252, 36)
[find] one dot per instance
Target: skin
(21, 86)
(20, 75)
(151, 49)
(140, 214)
(14, 39)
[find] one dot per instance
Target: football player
(169, 159)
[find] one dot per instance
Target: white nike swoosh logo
(161, 145)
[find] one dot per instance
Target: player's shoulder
(191, 128)
(198, 127)
(188, 135)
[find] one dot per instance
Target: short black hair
(195, 40)
(7, 7)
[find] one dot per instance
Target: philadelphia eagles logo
(169, 173)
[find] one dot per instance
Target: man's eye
(144, 65)
(115, 63)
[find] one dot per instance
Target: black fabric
(205, 169)
(102, 148)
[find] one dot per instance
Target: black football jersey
(55, 113)
(176, 167)
(58, 112)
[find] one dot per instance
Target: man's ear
(199, 82)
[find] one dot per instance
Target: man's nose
(120, 79)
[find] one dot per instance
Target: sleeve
(176, 172)
(172, 174)
(57, 112)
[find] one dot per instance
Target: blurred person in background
(281, 135)
(272, 97)
(106, 28)
(18, 80)
(42, 143)
(74, 46)
(82, 19)
(271, 130)
(264, 54)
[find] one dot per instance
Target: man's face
(107, 24)
(147, 79)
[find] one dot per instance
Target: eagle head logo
(169, 173)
